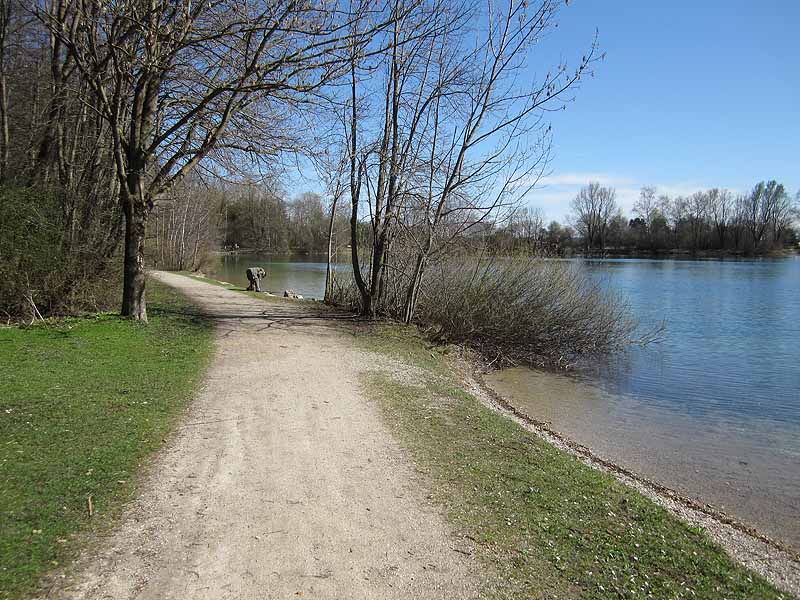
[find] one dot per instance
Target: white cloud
(581, 179)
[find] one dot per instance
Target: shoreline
(742, 464)
(666, 254)
(774, 560)
(686, 254)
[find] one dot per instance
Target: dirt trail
(282, 481)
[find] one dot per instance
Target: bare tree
(489, 142)
(784, 213)
(184, 226)
(762, 207)
(648, 208)
(677, 213)
(183, 82)
(256, 216)
(374, 141)
(455, 138)
(697, 208)
(528, 224)
(331, 167)
(720, 210)
(592, 210)
(308, 223)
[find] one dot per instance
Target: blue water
(713, 410)
(732, 343)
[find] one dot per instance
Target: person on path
(254, 276)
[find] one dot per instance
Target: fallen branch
(34, 309)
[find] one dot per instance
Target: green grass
(84, 402)
(546, 525)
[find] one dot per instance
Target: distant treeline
(197, 219)
(761, 221)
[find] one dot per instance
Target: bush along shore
(84, 402)
(547, 525)
(520, 309)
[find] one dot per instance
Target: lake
(712, 411)
(305, 275)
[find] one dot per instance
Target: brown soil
(281, 482)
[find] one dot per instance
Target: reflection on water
(713, 410)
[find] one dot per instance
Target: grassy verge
(545, 524)
(83, 402)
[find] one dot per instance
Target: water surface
(714, 410)
(305, 275)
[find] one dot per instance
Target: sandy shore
(777, 563)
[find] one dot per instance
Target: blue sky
(691, 95)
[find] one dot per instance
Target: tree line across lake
(762, 220)
(199, 220)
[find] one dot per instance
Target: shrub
(518, 310)
(532, 310)
(37, 270)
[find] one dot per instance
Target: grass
(84, 402)
(546, 525)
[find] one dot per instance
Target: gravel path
(281, 482)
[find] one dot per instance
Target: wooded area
(713, 221)
(159, 132)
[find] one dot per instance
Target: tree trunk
(5, 15)
(4, 130)
(378, 256)
(328, 272)
(355, 193)
(413, 289)
(133, 302)
(362, 287)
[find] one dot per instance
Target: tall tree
(648, 209)
(762, 205)
(697, 209)
(592, 211)
(452, 137)
(720, 209)
(183, 82)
